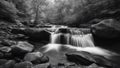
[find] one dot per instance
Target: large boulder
(25, 64)
(41, 65)
(106, 34)
(78, 59)
(21, 48)
(3, 61)
(106, 29)
(86, 59)
(36, 58)
(9, 64)
(32, 56)
(34, 34)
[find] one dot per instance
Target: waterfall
(75, 40)
(60, 38)
(55, 38)
(82, 40)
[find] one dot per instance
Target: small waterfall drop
(55, 38)
(82, 40)
(60, 38)
(75, 40)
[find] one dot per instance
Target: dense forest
(65, 12)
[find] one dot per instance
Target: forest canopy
(67, 12)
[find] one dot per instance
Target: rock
(21, 49)
(1, 45)
(63, 30)
(101, 61)
(25, 64)
(41, 60)
(41, 65)
(95, 21)
(61, 65)
(52, 66)
(78, 59)
(8, 55)
(1, 55)
(106, 34)
(9, 64)
(18, 31)
(18, 60)
(76, 32)
(36, 58)
(87, 59)
(106, 29)
(94, 66)
(32, 56)
(5, 49)
(8, 42)
(75, 66)
(33, 34)
(3, 61)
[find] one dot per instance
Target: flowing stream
(75, 40)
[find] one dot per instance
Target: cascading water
(75, 40)
(60, 38)
(55, 38)
(82, 40)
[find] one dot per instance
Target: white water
(82, 40)
(75, 40)
(55, 38)
(78, 43)
(92, 50)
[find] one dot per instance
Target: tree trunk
(37, 17)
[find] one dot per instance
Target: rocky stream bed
(21, 47)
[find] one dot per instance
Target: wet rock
(8, 55)
(5, 49)
(87, 59)
(41, 60)
(3, 61)
(41, 65)
(25, 64)
(95, 21)
(106, 34)
(74, 66)
(8, 42)
(52, 66)
(78, 59)
(61, 65)
(1, 45)
(9, 64)
(18, 60)
(36, 58)
(33, 34)
(63, 30)
(101, 61)
(21, 49)
(94, 66)
(33, 56)
(106, 29)
(76, 32)
(1, 55)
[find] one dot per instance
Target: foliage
(7, 11)
(67, 12)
